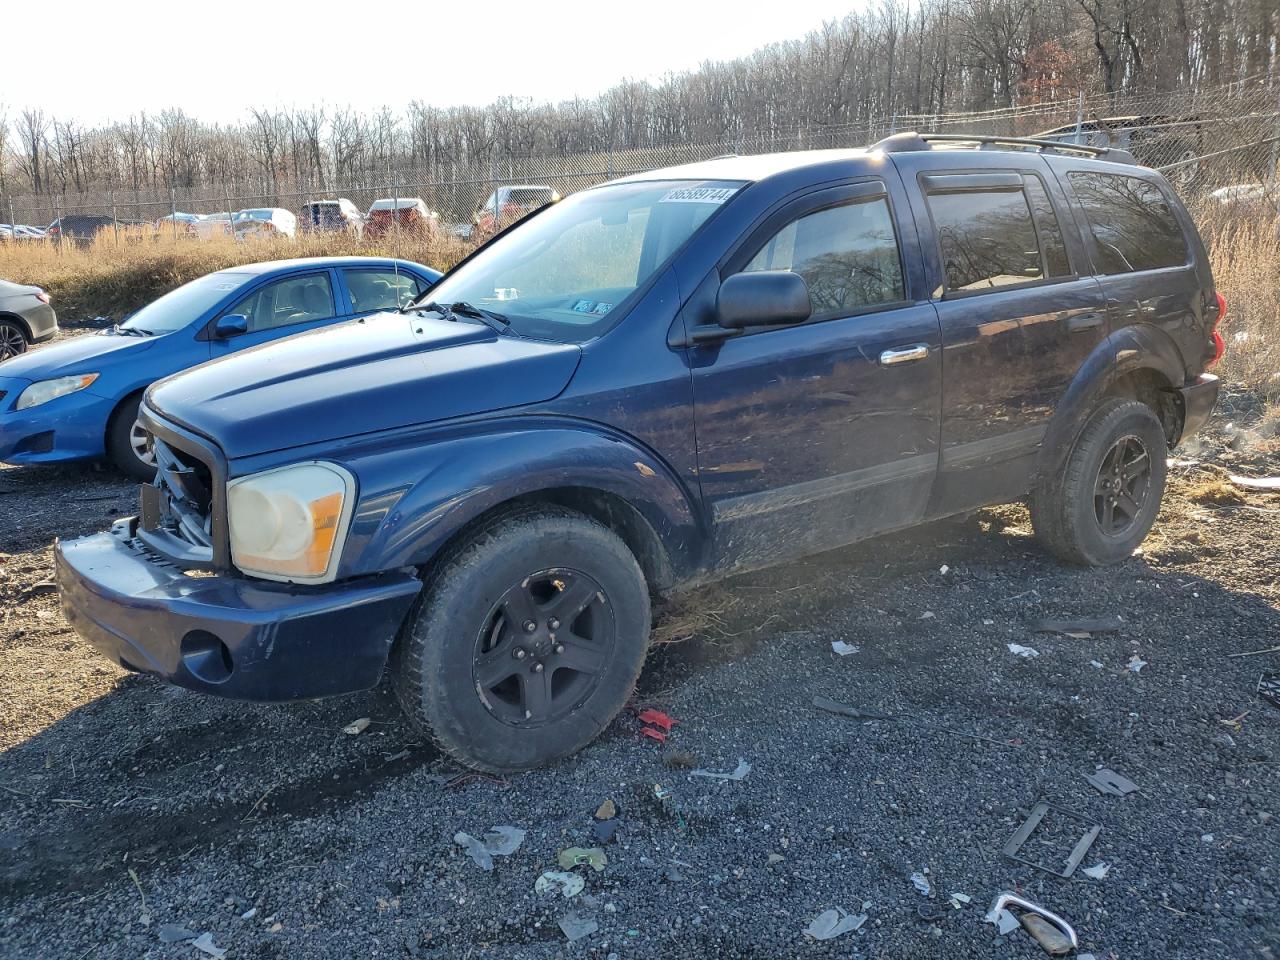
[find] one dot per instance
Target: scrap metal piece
(738, 773)
(1052, 940)
(1109, 782)
(1007, 899)
(835, 706)
(1069, 627)
(1037, 815)
(1269, 688)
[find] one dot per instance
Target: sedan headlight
(46, 390)
(289, 524)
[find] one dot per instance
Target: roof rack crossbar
(1110, 152)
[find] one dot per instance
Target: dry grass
(111, 280)
(1213, 490)
(1246, 268)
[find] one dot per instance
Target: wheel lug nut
(530, 626)
(519, 653)
(559, 648)
(553, 623)
(537, 668)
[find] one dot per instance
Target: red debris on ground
(656, 718)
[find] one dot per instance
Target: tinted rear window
(987, 238)
(1055, 251)
(1133, 226)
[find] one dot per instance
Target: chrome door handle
(916, 351)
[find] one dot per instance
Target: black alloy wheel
(1120, 491)
(544, 647)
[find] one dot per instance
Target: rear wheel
(1103, 504)
(528, 641)
(129, 444)
(13, 339)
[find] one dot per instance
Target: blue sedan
(79, 399)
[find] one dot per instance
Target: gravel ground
(126, 805)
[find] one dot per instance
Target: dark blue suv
(656, 382)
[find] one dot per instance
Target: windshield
(560, 275)
(180, 307)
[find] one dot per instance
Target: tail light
(1219, 345)
(42, 296)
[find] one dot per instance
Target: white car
(264, 222)
(212, 225)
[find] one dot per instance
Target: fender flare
(419, 495)
(1126, 351)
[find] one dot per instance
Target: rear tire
(124, 443)
(1102, 505)
(13, 340)
(527, 642)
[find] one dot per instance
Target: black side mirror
(231, 325)
(762, 298)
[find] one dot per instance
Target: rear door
(1019, 314)
(1145, 265)
(375, 289)
(283, 307)
(814, 435)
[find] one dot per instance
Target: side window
(1131, 221)
(289, 301)
(987, 238)
(380, 289)
(1055, 250)
(848, 255)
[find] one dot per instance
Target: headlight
(47, 390)
(289, 524)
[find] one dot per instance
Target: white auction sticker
(699, 195)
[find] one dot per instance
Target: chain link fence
(1220, 144)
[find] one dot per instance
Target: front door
(281, 308)
(815, 435)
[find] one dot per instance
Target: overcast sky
(98, 61)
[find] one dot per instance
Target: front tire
(128, 445)
(528, 641)
(1102, 505)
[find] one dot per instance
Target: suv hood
(360, 377)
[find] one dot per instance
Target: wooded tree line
(898, 58)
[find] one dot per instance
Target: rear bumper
(1198, 400)
(73, 427)
(230, 636)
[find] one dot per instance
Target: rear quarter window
(1132, 223)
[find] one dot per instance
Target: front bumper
(73, 427)
(1198, 400)
(42, 320)
(228, 635)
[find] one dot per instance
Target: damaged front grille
(177, 516)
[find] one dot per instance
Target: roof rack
(921, 141)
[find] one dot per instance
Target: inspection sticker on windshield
(699, 195)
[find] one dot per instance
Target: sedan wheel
(12, 340)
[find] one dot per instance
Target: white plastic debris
(922, 883)
(842, 648)
(1136, 664)
(1005, 922)
(1019, 650)
(832, 923)
(575, 927)
(204, 943)
(739, 772)
(927, 615)
(498, 842)
(1098, 871)
(944, 569)
(959, 900)
(1096, 664)
(356, 726)
(558, 881)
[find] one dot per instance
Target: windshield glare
(180, 307)
(563, 273)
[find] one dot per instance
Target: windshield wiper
(490, 318)
(120, 331)
(451, 311)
